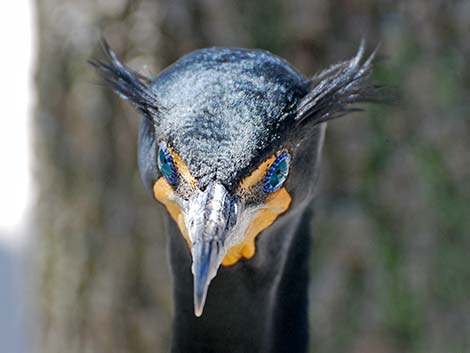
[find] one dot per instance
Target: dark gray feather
(130, 85)
(335, 91)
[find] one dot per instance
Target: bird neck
(256, 305)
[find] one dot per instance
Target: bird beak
(210, 217)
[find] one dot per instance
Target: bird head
(225, 143)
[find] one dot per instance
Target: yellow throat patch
(276, 204)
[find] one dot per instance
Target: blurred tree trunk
(102, 268)
(389, 257)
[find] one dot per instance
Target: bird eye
(166, 165)
(277, 173)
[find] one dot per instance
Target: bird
(230, 145)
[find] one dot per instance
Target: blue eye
(277, 173)
(166, 165)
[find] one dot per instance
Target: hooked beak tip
(198, 309)
(201, 285)
(206, 261)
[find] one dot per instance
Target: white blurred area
(16, 31)
(16, 192)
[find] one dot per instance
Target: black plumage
(225, 111)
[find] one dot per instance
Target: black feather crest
(130, 85)
(335, 91)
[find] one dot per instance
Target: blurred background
(85, 269)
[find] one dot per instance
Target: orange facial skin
(276, 204)
(164, 193)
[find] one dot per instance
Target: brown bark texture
(390, 269)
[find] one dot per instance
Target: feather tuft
(128, 84)
(335, 91)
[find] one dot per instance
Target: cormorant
(230, 144)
